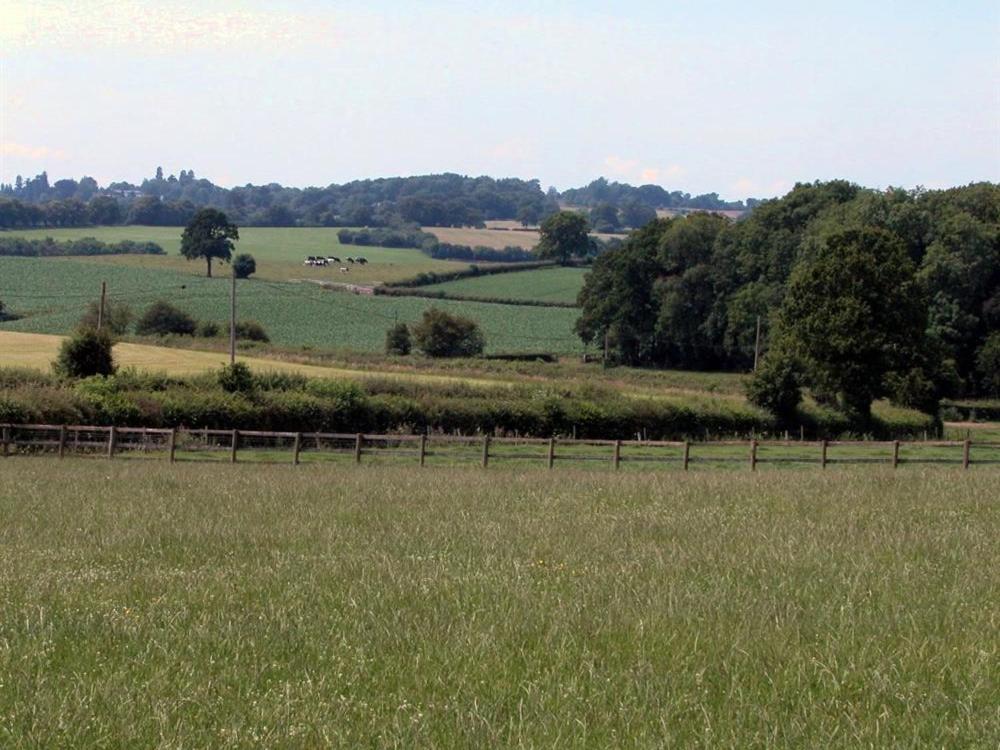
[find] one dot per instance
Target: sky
(740, 98)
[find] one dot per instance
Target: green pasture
(204, 605)
(279, 253)
(543, 285)
(51, 295)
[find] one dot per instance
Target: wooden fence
(297, 447)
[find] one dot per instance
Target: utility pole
(756, 346)
(606, 336)
(100, 308)
(232, 322)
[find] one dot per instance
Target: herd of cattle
(319, 260)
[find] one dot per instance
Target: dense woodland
(688, 292)
(428, 200)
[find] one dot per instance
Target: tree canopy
(564, 236)
(209, 235)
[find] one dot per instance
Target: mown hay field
(219, 606)
(279, 253)
(51, 294)
(542, 285)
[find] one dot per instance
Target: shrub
(397, 340)
(162, 318)
(244, 265)
(87, 352)
(250, 330)
(776, 387)
(441, 334)
(236, 378)
(208, 329)
(118, 316)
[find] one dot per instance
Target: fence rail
(299, 447)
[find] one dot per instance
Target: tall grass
(220, 606)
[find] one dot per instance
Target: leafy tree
(854, 315)
(397, 340)
(244, 266)
(209, 235)
(162, 318)
(118, 316)
(104, 210)
(776, 386)
(604, 217)
(564, 236)
(249, 330)
(635, 214)
(87, 352)
(441, 334)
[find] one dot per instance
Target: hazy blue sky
(742, 98)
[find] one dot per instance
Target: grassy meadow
(279, 253)
(51, 294)
(543, 285)
(217, 606)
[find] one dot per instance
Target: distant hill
(425, 200)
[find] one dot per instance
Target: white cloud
(632, 170)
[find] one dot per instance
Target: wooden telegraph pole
(232, 322)
(100, 307)
(756, 346)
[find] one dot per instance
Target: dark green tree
(244, 266)
(209, 235)
(87, 352)
(564, 236)
(855, 316)
(441, 334)
(397, 340)
(162, 318)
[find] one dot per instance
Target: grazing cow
(350, 260)
(333, 259)
(362, 261)
(344, 269)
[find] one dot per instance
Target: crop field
(52, 294)
(202, 605)
(543, 285)
(279, 253)
(496, 238)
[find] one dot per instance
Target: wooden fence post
(62, 440)
(235, 445)
(486, 451)
(423, 448)
(552, 452)
(173, 444)
(753, 455)
(687, 454)
(822, 455)
(6, 440)
(112, 441)
(966, 450)
(358, 438)
(617, 455)
(895, 453)
(296, 448)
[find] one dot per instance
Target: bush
(118, 316)
(236, 378)
(250, 330)
(244, 265)
(87, 352)
(162, 318)
(208, 329)
(397, 340)
(441, 334)
(776, 387)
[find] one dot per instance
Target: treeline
(688, 292)
(48, 247)
(621, 195)
(425, 200)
